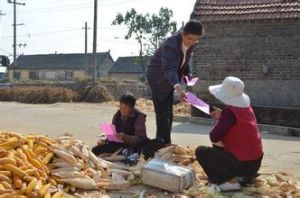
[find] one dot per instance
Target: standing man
(165, 72)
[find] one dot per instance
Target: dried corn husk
(82, 183)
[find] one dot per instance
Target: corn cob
(48, 195)
(6, 173)
(6, 184)
(44, 190)
(57, 195)
(17, 181)
(31, 186)
(15, 170)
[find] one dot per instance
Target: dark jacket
(134, 126)
(164, 70)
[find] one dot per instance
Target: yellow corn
(7, 160)
(48, 195)
(6, 185)
(36, 163)
(30, 144)
(31, 185)
(6, 173)
(43, 145)
(26, 167)
(53, 182)
(17, 181)
(48, 158)
(38, 185)
(1, 186)
(57, 179)
(44, 190)
(40, 151)
(28, 178)
(47, 141)
(21, 155)
(15, 170)
(20, 162)
(4, 178)
(10, 142)
(31, 171)
(57, 195)
(23, 188)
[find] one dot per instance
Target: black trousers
(109, 147)
(147, 147)
(164, 118)
(221, 166)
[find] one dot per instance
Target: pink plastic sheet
(110, 132)
(197, 102)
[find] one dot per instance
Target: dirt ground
(282, 154)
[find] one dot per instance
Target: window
(17, 75)
(33, 75)
(69, 75)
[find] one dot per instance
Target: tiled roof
(227, 10)
(129, 64)
(59, 61)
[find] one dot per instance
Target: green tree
(148, 30)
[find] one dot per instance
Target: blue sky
(56, 25)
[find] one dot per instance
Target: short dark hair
(193, 27)
(128, 99)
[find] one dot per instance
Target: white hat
(231, 92)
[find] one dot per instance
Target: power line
(43, 33)
(58, 31)
(65, 8)
(55, 7)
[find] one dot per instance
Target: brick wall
(265, 54)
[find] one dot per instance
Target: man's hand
(181, 92)
(101, 142)
(216, 113)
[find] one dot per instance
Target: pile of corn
(38, 166)
(75, 164)
(23, 166)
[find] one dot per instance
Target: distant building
(128, 67)
(59, 67)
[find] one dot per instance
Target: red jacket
(243, 140)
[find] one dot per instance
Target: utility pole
(94, 74)
(15, 29)
(86, 47)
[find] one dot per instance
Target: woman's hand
(219, 144)
(216, 113)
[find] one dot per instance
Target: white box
(168, 176)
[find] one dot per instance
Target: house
(59, 67)
(257, 41)
(128, 67)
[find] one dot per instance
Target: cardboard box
(168, 176)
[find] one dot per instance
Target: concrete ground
(282, 154)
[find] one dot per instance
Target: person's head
(231, 92)
(127, 104)
(191, 33)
